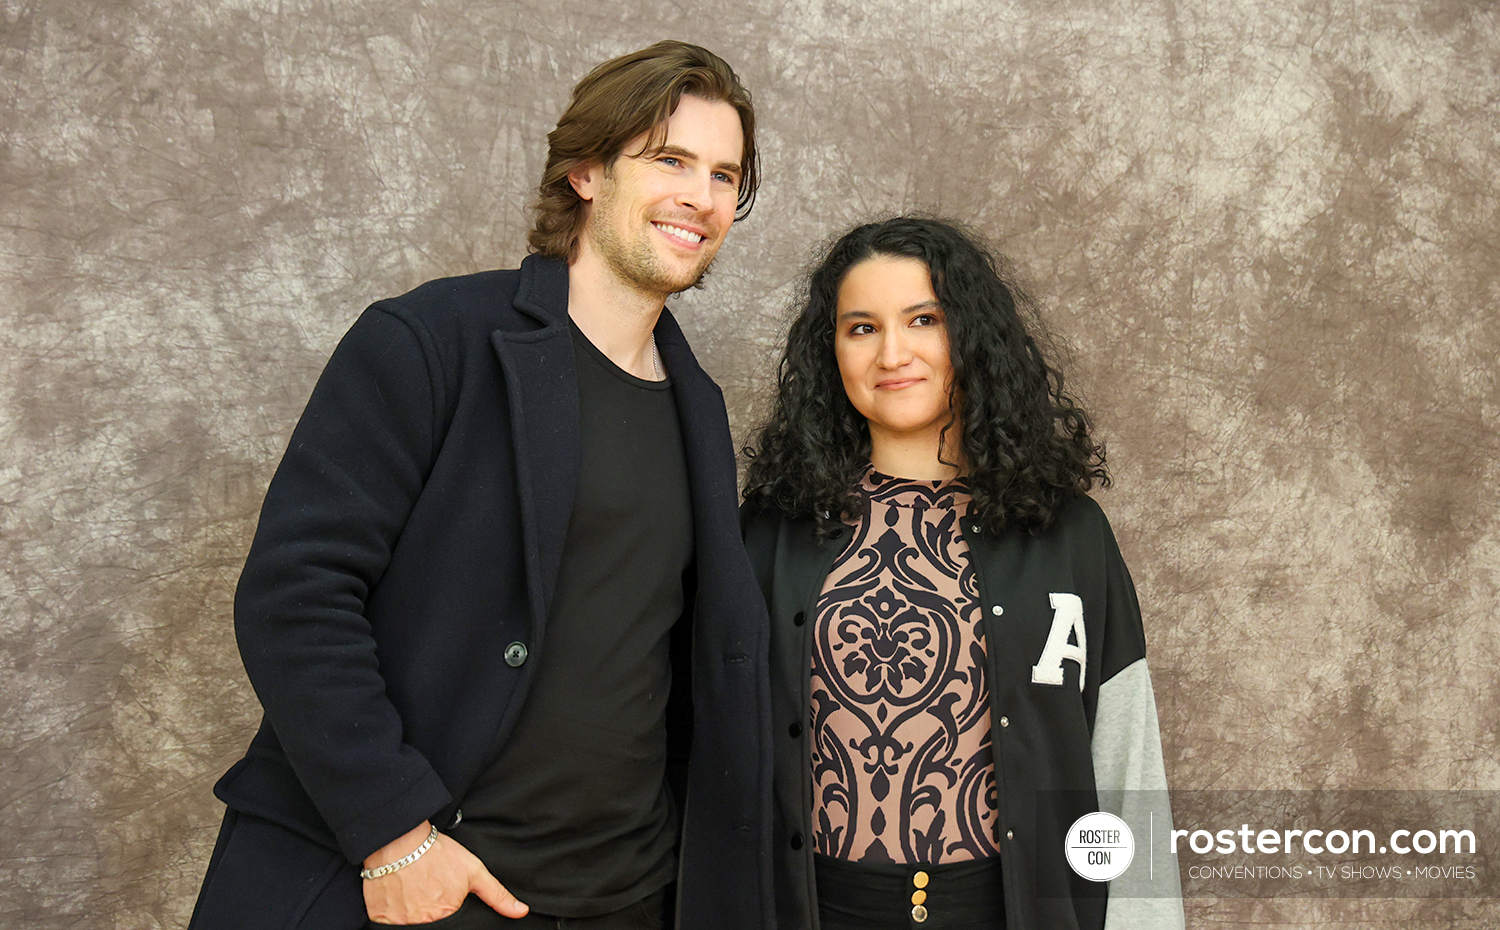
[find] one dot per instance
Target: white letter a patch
(1067, 618)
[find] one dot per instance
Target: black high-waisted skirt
(869, 896)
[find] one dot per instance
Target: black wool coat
(400, 579)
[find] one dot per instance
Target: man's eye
(670, 161)
(727, 179)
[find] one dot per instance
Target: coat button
(919, 880)
(997, 610)
(799, 618)
(794, 731)
(919, 913)
(1011, 834)
(919, 897)
(796, 841)
(515, 654)
(1005, 721)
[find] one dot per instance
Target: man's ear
(586, 179)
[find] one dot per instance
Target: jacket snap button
(796, 841)
(799, 618)
(795, 730)
(1005, 721)
(919, 913)
(515, 654)
(997, 610)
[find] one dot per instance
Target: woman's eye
(861, 329)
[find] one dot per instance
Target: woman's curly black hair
(1026, 442)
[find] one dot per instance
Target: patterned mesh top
(901, 762)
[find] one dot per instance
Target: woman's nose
(894, 351)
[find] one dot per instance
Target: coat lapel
(542, 386)
(706, 444)
(726, 825)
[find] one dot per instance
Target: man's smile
(687, 236)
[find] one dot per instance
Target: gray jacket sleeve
(1129, 774)
(1132, 784)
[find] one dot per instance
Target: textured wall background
(1268, 229)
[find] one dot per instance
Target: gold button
(919, 897)
(919, 880)
(919, 913)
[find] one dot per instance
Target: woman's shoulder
(761, 517)
(754, 513)
(1082, 508)
(1079, 519)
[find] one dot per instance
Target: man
(505, 518)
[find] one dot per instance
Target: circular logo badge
(1099, 846)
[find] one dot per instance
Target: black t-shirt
(574, 816)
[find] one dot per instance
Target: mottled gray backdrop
(1268, 229)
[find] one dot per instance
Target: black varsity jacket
(1070, 737)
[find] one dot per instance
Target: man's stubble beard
(634, 261)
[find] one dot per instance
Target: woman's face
(891, 343)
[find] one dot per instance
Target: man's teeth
(679, 232)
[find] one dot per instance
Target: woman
(957, 657)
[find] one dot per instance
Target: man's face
(657, 219)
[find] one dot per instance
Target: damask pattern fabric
(902, 767)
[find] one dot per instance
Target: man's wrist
(389, 858)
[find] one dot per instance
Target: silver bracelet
(404, 861)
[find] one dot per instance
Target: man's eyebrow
(680, 152)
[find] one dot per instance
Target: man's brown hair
(617, 101)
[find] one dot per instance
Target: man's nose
(696, 192)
